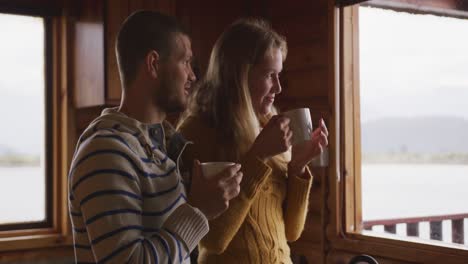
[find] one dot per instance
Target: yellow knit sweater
(269, 211)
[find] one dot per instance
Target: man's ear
(152, 63)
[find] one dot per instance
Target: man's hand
(212, 196)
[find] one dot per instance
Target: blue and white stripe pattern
(127, 199)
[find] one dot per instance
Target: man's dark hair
(141, 32)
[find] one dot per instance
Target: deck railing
(435, 226)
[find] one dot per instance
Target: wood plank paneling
(300, 84)
(44, 255)
(85, 116)
(306, 57)
(134, 5)
(164, 6)
(89, 54)
(300, 30)
(116, 12)
(312, 253)
(206, 22)
(277, 9)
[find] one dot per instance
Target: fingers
(232, 193)
(288, 137)
(319, 144)
(233, 187)
(315, 133)
(324, 138)
(285, 130)
(323, 127)
(320, 132)
(227, 173)
(320, 147)
(283, 122)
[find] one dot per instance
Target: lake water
(415, 190)
(22, 194)
(389, 191)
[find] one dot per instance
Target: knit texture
(127, 199)
(256, 227)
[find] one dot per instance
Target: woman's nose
(277, 86)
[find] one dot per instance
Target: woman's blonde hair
(223, 97)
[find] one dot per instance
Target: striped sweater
(127, 200)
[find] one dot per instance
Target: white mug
(210, 169)
(300, 124)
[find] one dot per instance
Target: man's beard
(167, 98)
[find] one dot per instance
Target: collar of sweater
(111, 119)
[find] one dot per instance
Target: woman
(231, 118)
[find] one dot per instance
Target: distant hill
(431, 135)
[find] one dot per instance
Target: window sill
(34, 241)
(401, 248)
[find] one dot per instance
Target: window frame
(48, 138)
(55, 230)
(346, 232)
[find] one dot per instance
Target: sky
(412, 65)
(22, 84)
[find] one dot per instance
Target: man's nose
(192, 76)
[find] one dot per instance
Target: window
(403, 93)
(23, 101)
(414, 124)
(34, 138)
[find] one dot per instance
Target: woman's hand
(275, 138)
(302, 154)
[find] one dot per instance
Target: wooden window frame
(55, 231)
(344, 232)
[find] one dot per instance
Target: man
(127, 199)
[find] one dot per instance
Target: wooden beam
(451, 8)
(343, 3)
(32, 7)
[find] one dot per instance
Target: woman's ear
(152, 63)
